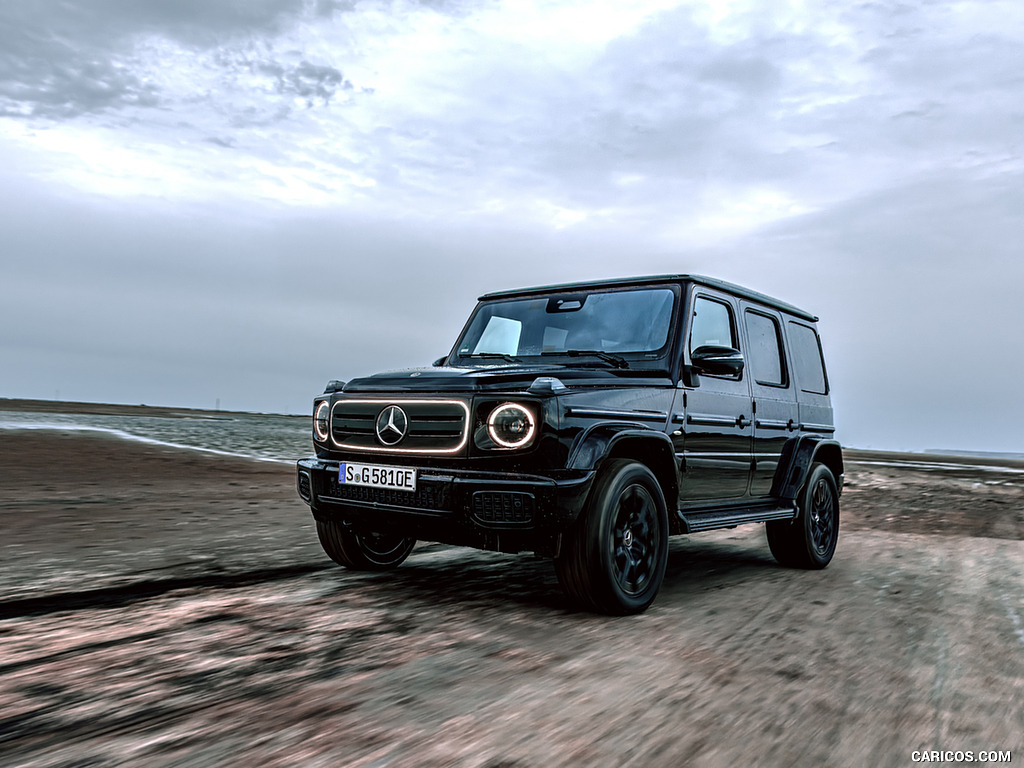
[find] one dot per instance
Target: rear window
(765, 350)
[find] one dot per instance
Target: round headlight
(321, 421)
(511, 426)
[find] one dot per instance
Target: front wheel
(362, 551)
(809, 541)
(614, 557)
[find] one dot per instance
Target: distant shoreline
(927, 457)
(23, 405)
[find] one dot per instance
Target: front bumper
(501, 511)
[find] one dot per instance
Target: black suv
(588, 423)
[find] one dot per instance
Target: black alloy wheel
(613, 559)
(823, 514)
(363, 551)
(809, 541)
(634, 539)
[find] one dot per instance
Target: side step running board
(727, 518)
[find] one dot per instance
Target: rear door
(774, 395)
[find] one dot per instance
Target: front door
(713, 428)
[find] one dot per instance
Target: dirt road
(166, 609)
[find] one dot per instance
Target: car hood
(503, 377)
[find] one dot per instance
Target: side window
(712, 324)
(807, 359)
(764, 349)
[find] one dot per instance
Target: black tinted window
(810, 367)
(712, 325)
(764, 350)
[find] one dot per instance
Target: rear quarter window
(807, 359)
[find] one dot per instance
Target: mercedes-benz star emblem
(392, 424)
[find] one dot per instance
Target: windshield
(606, 327)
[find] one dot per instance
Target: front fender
(634, 441)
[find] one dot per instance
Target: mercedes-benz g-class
(587, 423)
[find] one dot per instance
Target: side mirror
(717, 361)
(439, 362)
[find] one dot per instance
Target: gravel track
(160, 608)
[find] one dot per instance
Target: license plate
(376, 476)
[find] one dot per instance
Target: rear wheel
(614, 557)
(810, 540)
(362, 551)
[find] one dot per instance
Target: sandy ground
(165, 608)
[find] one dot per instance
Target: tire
(809, 541)
(613, 558)
(362, 551)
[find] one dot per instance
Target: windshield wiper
(495, 356)
(613, 360)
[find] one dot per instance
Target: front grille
(427, 495)
(503, 507)
(434, 426)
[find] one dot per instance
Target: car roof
(625, 282)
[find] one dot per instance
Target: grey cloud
(746, 112)
(72, 86)
(668, 105)
(60, 58)
(102, 23)
(750, 73)
(310, 81)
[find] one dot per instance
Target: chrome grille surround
(435, 427)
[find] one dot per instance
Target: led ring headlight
(511, 426)
(321, 421)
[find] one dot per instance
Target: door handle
(742, 422)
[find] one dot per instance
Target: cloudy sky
(237, 200)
